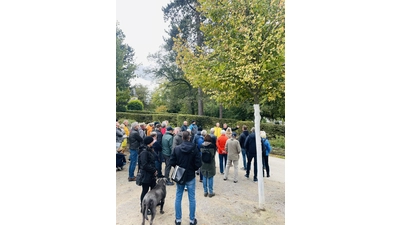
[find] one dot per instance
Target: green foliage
(161, 109)
(136, 117)
(139, 111)
(142, 93)
(272, 130)
(278, 142)
(135, 105)
(125, 65)
(243, 60)
(122, 99)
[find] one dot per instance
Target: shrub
(161, 109)
(272, 130)
(135, 105)
(121, 108)
(278, 142)
(122, 99)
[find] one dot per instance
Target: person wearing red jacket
(222, 154)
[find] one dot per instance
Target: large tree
(185, 18)
(243, 57)
(125, 65)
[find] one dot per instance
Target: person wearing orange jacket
(222, 154)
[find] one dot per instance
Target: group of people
(192, 148)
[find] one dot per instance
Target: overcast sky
(143, 25)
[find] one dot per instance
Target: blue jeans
(222, 163)
(132, 165)
(244, 158)
(191, 189)
(208, 184)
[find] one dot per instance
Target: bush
(122, 99)
(121, 108)
(135, 105)
(161, 109)
(136, 117)
(278, 142)
(139, 111)
(272, 130)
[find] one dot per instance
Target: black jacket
(159, 136)
(186, 155)
(250, 144)
(243, 137)
(148, 165)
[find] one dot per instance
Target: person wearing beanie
(148, 167)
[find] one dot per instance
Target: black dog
(154, 197)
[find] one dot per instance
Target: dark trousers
(222, 162)
(265, 164)
(249, 159)
(159, 164)
(167, 166)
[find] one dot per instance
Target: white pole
(257, 119)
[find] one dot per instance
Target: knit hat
(148, 140)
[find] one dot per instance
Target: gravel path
(232, 204)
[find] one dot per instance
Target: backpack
(206, 155)
(264, 149)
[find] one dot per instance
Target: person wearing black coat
(242, 139)
(148, 166)
(251, 151)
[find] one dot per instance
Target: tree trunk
(220, 111)
(199, 42)
(200, 102)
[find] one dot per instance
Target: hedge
(271, 129)
(140, 111)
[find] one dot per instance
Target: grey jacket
(177, 140)
(233, 148)
(120, 135)
(134, 140)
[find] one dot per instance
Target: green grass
(278, 146)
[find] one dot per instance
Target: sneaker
(205, 194)
(194, 222)
(185, 188)
(211, 195)
(177, 223)
(246, 175)
(255, 179)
